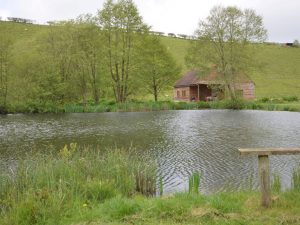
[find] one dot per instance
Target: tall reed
(276, 183)
(161, 187)
(194, 182)
(47, 188)
(296, 179)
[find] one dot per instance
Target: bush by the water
(3, 109)
(143, 106)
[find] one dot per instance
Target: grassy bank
(144, 106)
(48, 189)
(219, 209)
(86, 186)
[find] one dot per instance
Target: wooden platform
(264, 167)
(269, 151)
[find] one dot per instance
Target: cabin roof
(194, 77)
(190, 78)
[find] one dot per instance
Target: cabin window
(183, 93)
(178, 94)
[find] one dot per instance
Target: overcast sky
(281, 18)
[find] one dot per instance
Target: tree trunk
(154, 85)
(232, 93)
(155, 96)
(94, 80)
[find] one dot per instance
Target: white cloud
(4, 13)
(182, 16)
(177, 16)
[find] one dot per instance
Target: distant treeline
(182, 36)
(18, 20)
(28, 21)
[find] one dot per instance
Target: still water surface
(181, 141)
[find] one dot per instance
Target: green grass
(46, 189)
(280, 75)
(83, 186)
(178, 48)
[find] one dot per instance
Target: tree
(226, 40)
(71, 50)
(122, 27)
(157, 68)
(296, 43)
(57, 51)
(5, 54)
(90, 44)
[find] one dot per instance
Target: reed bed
(81, 185)
(46, 188)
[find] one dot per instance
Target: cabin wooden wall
(194, 93)
(191, 93)
(248, 90)
(181, 91)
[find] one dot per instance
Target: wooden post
(264, 167)
(264, 173)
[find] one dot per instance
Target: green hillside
(20, 31)
(280, 75)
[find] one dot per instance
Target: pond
(181, 141)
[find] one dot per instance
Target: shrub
(265, 99)
(291, 99)
(234, 104)
(3, 109)
(203, 105)
(276, 100)
(180, 105)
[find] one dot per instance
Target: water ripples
(181, 141)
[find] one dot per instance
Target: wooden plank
(264, 173)
(269, 151)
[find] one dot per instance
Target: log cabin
(194, 86)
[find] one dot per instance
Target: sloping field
(280, 75)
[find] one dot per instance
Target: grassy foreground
(83, 186)
(219, 209)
